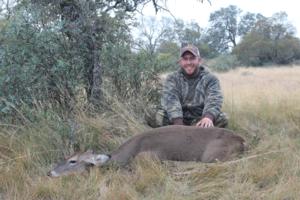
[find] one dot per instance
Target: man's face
(189, 62)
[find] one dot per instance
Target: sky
(193, 10)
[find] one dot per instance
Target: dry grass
(263, 105)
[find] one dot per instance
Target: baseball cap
(191, 48)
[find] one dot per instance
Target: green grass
(263, 105)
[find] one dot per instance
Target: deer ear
(97, 159)
(101, 159)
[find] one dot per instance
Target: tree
(247, 22)
(80, 30)
(6, 8)
(87, 22)
(50, 48)
(227, 26)
(223, 28)
(271, 40)
(162, 39)
(151, 33)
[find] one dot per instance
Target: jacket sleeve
(171, 98)
(214, 98)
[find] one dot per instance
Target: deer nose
(49, 173)
(53, 173)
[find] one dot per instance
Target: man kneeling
(191, 95)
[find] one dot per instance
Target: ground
(263, 105)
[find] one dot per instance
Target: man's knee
(156, 117)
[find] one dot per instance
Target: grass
(263, 105)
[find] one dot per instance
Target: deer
(174, 143)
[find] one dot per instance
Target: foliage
(223, 28)
(247, 22)
(223, 63)
(270, 41)
(127, 71)
(48, 55)
(38, 64)
(228, 26)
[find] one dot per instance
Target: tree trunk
(96, 79)
(74, 19)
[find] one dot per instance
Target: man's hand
(205, 123)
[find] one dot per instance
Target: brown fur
(182, 143)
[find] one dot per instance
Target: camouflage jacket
(192, 97)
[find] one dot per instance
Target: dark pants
(157, 117)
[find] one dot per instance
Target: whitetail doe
(177, 143)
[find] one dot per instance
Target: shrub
(38, 64)
(223, 63)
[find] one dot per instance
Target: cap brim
(187, 50)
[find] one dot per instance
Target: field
(263, 105)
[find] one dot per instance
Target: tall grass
(263, 105)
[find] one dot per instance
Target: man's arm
(213, 102)
(171, 100)
(214, 98)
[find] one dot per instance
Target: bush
(38, 65)
(257, 50)
(223, 63)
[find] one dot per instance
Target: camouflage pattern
(192, 98)
(221, 121)
(157, 117)
(190, 48)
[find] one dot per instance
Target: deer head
(78, 163)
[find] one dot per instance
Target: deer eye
(72, 161)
